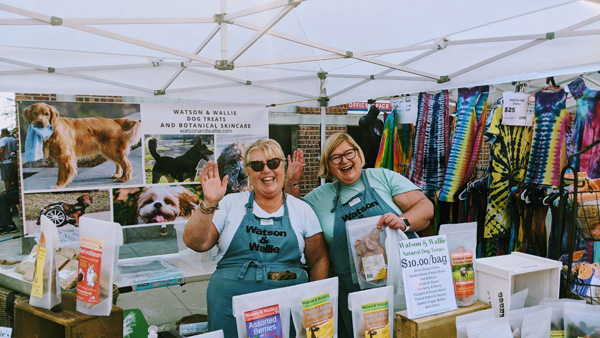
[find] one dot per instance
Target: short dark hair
(4, 131)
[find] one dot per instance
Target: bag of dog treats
(558, 306)
(517, 299)
(212, 334)
(462, 245)
(464, 320)
(537, 324)
(97, 252)
(581, 320)
(366, 247)
(314, 308)
(394, 278)
(372, 312)
(491, 327)
(263, 314)
(45, 288)
(515, 318)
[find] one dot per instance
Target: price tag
(514, 109)
(407, 108)
(427, 276)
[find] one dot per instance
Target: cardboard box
(501, 276)
(440, 326)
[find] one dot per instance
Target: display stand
(32, 321)
(441, 325)
(583, 209)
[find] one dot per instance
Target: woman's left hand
(391, 220)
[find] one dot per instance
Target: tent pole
(323, 99)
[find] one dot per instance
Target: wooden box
(36, 322)
(8, 300)
(439, 326)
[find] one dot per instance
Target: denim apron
(244, 268)
(338, 253)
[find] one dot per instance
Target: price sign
(407, 108)
(427, 276)
(514, 109)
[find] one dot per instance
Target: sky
(7, 104)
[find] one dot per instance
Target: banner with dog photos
(134, 164)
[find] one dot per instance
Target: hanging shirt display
(548, 146)
(468, 135)
(509, 153)
(430, 150)
(586, 128)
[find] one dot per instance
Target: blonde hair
(269, 147)
(330, 144)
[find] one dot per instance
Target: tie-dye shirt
(586, 128)
(548, 147)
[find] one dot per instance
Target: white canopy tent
(290, 51)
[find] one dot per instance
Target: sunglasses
(258, 166)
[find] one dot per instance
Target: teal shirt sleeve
(321, 201)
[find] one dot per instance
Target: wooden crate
(8, 299)
(440, 326)
(36, 322)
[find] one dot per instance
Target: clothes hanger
(551, 85)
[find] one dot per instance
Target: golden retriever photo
(52, 136)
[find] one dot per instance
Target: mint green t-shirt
(385, 182)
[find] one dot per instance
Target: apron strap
(259, 270)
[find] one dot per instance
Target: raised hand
(295, 166)
(213, 187)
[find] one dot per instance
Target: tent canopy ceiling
(275, 51)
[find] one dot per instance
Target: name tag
(354, 201)
(266, 221)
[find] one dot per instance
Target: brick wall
(309, 140)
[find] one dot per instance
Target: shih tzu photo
(159, 204)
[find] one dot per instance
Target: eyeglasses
(258, 166)
(348, 154)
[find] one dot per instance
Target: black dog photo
(175, 158)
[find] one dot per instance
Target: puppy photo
(64, 140)
(66, 208)
(155, 204)
(171, 163)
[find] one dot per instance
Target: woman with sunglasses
(359, 193)
(265, 236)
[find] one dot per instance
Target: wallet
(281, 275)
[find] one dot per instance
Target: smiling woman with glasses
(358, 193)
(266, 238)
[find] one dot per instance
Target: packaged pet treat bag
(212, 334)
(97, 252)
(394, 278)
(464, 320)
(558, 305)
(372, 312)
(537, 324)
(366, 246)
(45, 288)
(314, 308)
(581, 320)
(462, 245)
(264, 314)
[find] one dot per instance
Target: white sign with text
(427, 276)
(514, 109)
(205, 118)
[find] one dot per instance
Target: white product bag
(45, 288)
(394, 278)
(366, 246)
(314, 308)
(263, 314)
(372, 312)
(97, 251)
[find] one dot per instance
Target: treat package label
(376, 318)
(375, 267)
(264, 322)
(318, 316)
(37, 286)
(463, 273)
(90, 259)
